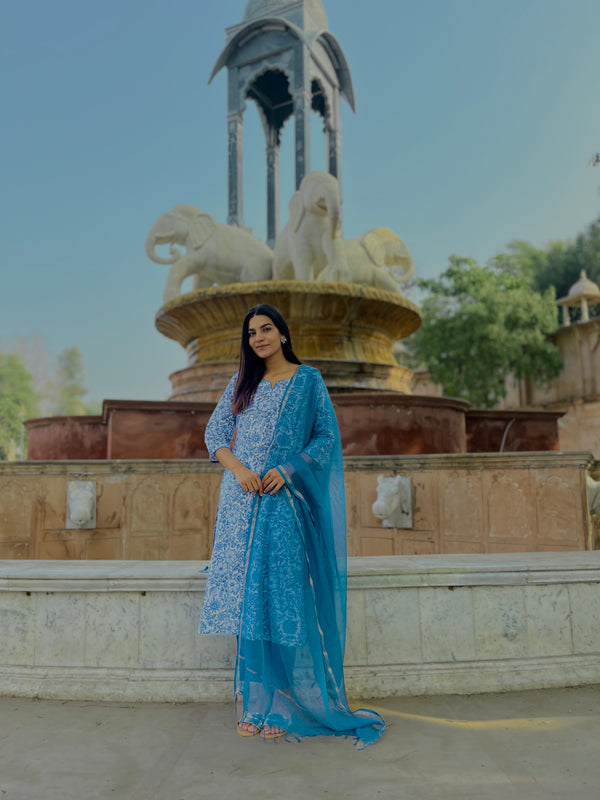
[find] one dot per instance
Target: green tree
(18, 401)
(560, 264)
(482, 324)
(70, 384)
(33, 352)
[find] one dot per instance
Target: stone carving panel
(559, 510)
(148, 507)
(190, 504)
(54, 503)
(509, 517)
(110, 499)
(460, 507)
(424, 501)
(17, 511)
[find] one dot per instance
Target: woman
(277, 578)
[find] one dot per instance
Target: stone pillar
(272, 189)
(566, 319)
(585, 312)
(236, 174)
(334, 139)
(334, 146)
(302, 103)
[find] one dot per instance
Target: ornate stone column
(334, 139)
(236, 174)
(302, 100)
(585, 311)
(273, 151)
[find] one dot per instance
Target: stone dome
(584, 286)
(271, 8)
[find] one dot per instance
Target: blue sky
(475, 123)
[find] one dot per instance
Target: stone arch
(270, 90)
(319, 102)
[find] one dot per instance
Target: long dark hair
(252, 367)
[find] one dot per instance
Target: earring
(283, 339)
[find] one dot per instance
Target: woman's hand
(272, 481)
(249, 481)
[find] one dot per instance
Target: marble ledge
(541, 459)
(91, 467)
(583, 460)
(362, 683)
(374, 572)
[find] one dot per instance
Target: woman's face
(263, 336)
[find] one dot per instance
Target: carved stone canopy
(283, 57)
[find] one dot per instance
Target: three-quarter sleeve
(221, 425)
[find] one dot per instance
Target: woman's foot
(247, 729)
(273, 732)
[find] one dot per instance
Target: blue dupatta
(289, 667)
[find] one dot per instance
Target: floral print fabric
(253, 430)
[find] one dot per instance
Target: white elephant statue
(379, 258)
(214, 253)
(310, 246)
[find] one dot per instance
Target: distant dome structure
(584, 286)
(271, 8)
(583, 294)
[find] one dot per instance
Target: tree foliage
(70, 384)
(482, 324)
(18, 401)
(560, 263)
(59, 382)
(33, 352)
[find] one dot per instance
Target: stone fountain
(342, 298)
(347, 331)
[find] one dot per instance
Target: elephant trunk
(335, 224)
(335, 217)
(151, 242)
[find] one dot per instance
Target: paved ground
(527, 745)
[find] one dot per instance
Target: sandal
(269, 732)
(254, 730)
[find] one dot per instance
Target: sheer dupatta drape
(292, 632)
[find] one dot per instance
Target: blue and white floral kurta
(278, 571)
(253, 433)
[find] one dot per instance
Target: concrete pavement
(534, 745)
